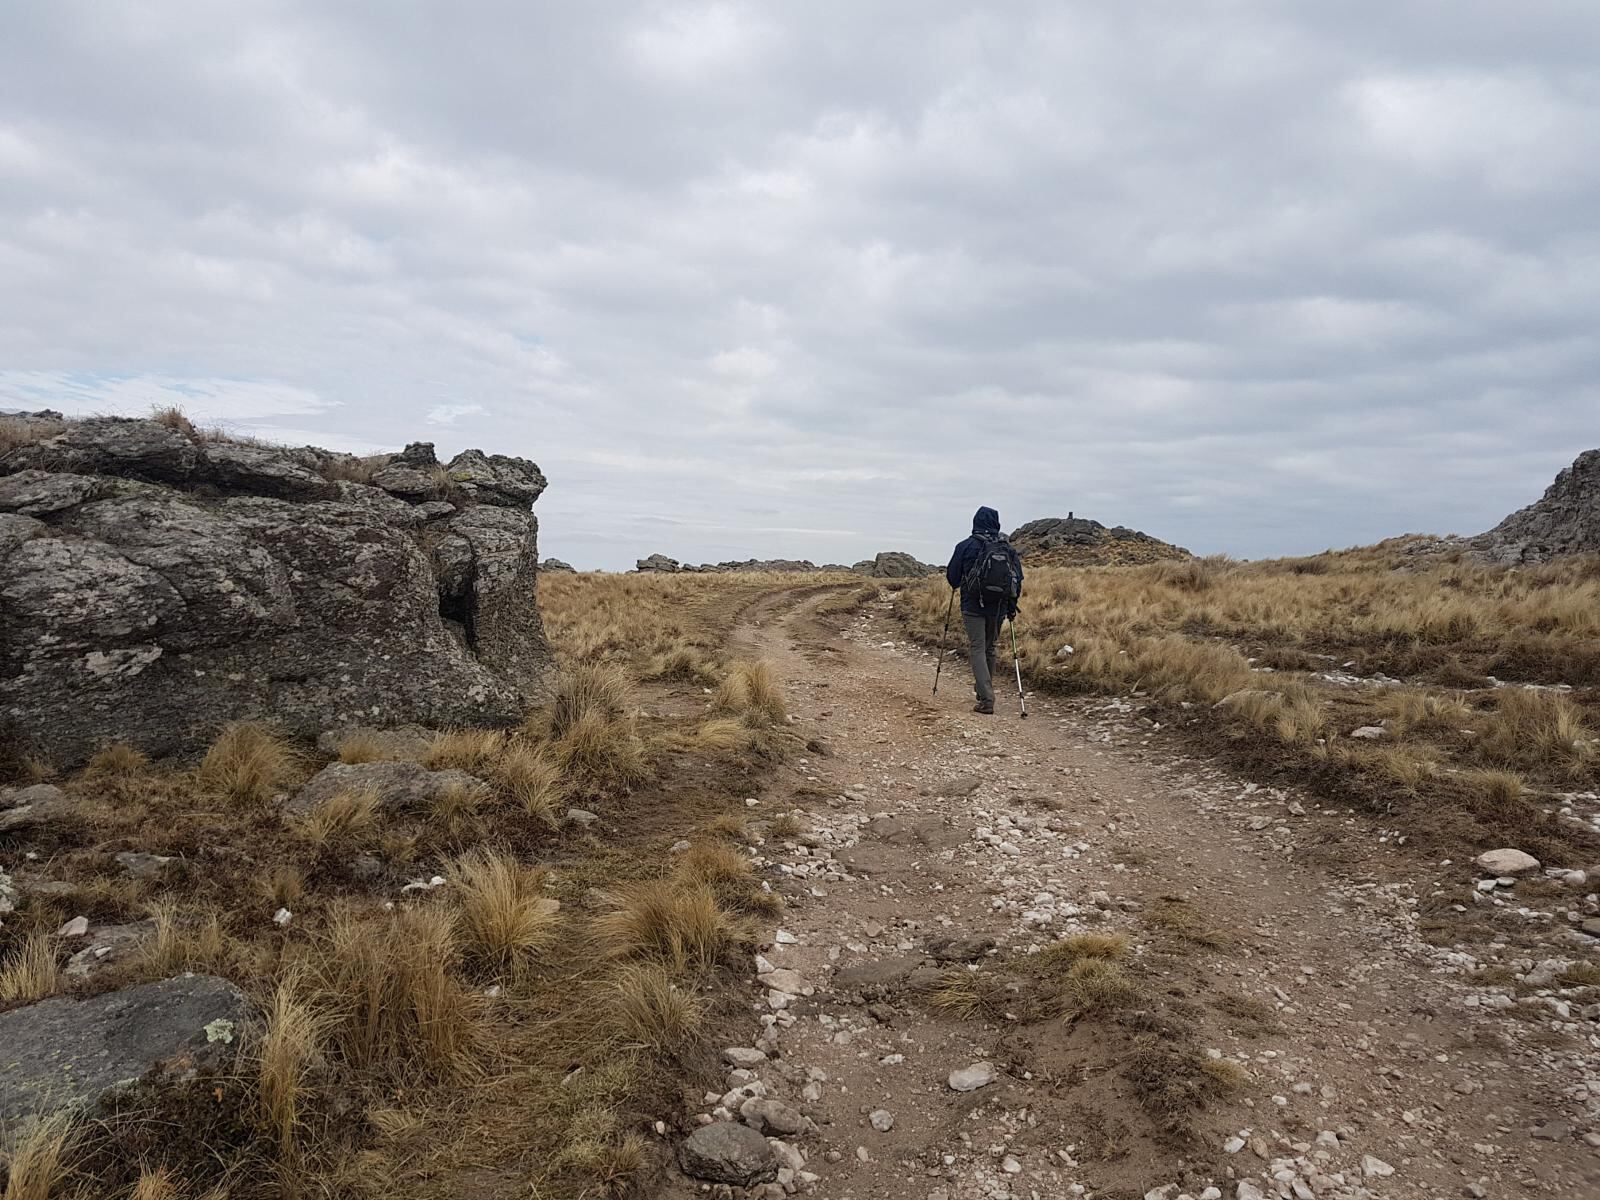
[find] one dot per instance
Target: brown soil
(1292, 937)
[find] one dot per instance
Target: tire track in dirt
(1368, 1074)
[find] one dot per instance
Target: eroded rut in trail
(940, 851)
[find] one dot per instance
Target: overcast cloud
(816, 279)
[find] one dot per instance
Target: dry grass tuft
(16, 432)
(458, 808)
(249, 762)
(971, 994)
(1580, 975)
(1077, 946)
(1176, 918)
(470, 750)
(288, 1050)
(505, 919)
(533, 779)
(31, 973)
(182, 942)
(603, 751)
(1093, 986)
(177, 420)
(751, 691)
(397, 1010)
(729, 825)
(654, 1012)
(116, 761)
(588, 691)
(678, 924)
(1534, 730)
(36, 1161)
(360, 748)
(154, 1184)
(723, 735)
(342, 819)
(284, 886)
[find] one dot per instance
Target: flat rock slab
(399, 785)
(960, 949)
(71, 1054)
(728, 1153)
(25, 808)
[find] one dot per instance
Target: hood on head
(986, 520)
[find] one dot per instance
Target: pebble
(76, 927)
(882, 1120)
(1375, 1168)
(970, 1079)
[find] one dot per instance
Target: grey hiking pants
(983, 636)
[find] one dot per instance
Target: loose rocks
(728, 1153)
(970, 1079)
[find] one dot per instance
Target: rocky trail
(935, 847)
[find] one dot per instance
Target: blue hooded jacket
(985, 529)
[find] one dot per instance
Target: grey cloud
(817, 280)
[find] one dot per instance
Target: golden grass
(590, 691)
(602, 751)
(751, 691)
(288, 1049)
(182, 942)
(652, 1010)
(675, 923)
(504, 917)
(31, 972)
(154, 1184)
(396, 1009)
(470, 750)
(1532, 729)
(359, 748)
(250, 763)
(971, 994)
(1179, 919)
(343, 818)
(1095, 985)
(16, 432)
(533, 779)
(36, 1161)
(116, 761)
(177, 420)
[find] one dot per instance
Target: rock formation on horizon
(1074, 541)
(894, 564)
(1565, 520)
(156, 583)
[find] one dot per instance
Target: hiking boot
(984, 706)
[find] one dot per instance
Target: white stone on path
(1375, 1168)
(76, 927)
(1506, 861)
(970, 1079)
(882, 1120)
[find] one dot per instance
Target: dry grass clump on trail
(118, 760)
(1277, 664)
(679, 924)
(751, 691)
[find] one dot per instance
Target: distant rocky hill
(156, 582)
(1565, 520)
(891, 564)
(1074, 541)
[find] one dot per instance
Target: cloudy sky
(817, 279)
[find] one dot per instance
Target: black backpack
(991, 577)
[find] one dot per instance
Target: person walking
(988, 573)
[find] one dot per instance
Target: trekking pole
(1017, 663)
(947, 609)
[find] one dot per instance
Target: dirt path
(1264, 929)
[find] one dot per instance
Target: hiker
(989, 574)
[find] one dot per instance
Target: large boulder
(64, 1054)
(894, 564)
(1565, 520)
(134, 610)
(1079, 541)
(658, 564)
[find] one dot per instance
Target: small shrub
(1538, 731)
(176, 420)
(586, 692)
(970, 994)
(249, 763)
